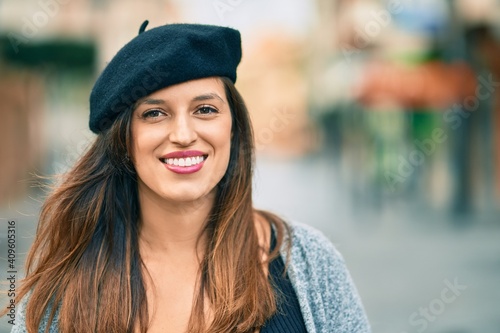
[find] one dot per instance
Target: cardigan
(329, 301)
(327, 296)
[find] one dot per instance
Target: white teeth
(184, 162)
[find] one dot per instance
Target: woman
(153, 230)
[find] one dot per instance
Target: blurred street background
(376, 121)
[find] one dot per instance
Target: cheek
(224, 147)
(218, 136)
(224, 136)
(143, 144)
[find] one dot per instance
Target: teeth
(184, 162)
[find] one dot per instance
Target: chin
(186, 196)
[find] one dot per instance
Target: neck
(173, 227)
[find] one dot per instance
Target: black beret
(158, 58)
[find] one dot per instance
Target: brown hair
(85, 260)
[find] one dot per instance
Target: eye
(152, 114)
(206, 110)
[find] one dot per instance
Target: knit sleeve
(20, 320)
(327, 295)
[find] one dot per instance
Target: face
(181, 138)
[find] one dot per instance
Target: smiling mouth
(184, 161)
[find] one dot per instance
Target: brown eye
(207, 110)
(152, 114)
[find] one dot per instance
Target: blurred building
(387, 77)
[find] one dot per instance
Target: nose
(183, 132)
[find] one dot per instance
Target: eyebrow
(205, 97)
(151, 101)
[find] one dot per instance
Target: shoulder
(314, 257)
(312, 244)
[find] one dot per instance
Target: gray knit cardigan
(327, 296)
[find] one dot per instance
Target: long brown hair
(85, 266)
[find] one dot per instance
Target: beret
(158, 58)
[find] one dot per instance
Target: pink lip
(184, 153)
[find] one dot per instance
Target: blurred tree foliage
(58, 54)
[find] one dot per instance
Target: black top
(288, 317)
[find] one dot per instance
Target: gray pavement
(403, 257)
(414, 269)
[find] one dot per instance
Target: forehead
(207, 87)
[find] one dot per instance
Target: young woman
(153, 230)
